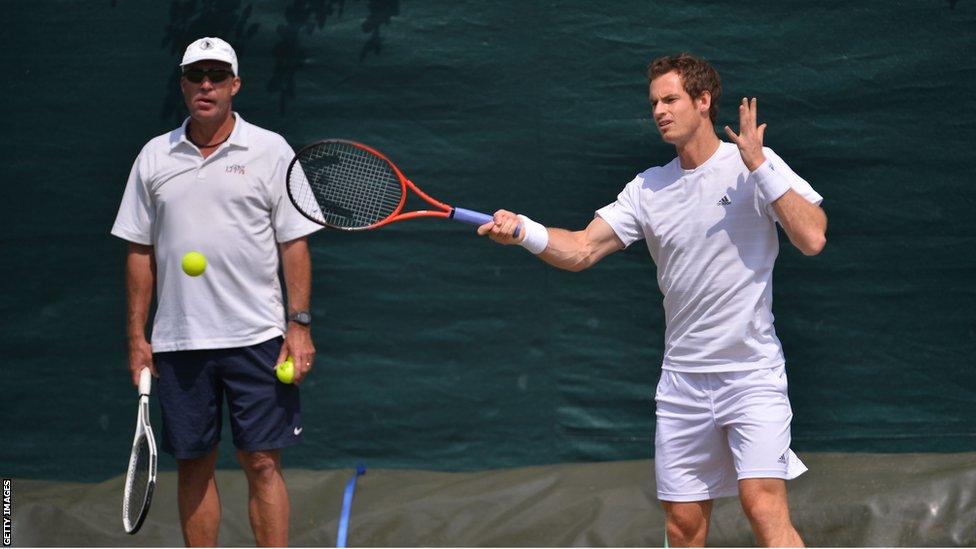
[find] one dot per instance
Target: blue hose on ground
(347, 505)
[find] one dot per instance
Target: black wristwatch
(303, 318)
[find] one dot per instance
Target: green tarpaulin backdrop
(439, 350)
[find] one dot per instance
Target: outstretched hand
(750, 137)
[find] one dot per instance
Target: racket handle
(475, 218)
(145, 382)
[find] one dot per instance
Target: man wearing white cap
(216, 185)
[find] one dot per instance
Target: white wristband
(536, 235)
(771, 183)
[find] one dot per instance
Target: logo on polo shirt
(725, 201)
(235, 168)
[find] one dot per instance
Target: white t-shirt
(714, 243)
(233, 208)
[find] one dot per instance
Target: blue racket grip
(475, 218)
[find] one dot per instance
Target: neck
(699, 148)
(206, 134)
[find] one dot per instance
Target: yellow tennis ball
(194, 263)
(286, 371)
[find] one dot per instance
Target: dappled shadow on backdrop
(305, 18)
(302, 18)
(380, 13)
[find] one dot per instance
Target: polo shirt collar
(238, 136)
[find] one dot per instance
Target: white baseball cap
(213, 49)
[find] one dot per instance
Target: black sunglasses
(196, 75)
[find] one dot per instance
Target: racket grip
(145, 382)
(475, 218)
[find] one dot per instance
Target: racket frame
(143, 431)
(443, 210)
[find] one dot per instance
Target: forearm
(296, 263)
(140, 279)
(578, 250)
(297, 266)
(568, 250)
(805, 223)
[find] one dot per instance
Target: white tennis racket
(140, 478)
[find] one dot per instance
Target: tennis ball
(286, 371)
(194, 263)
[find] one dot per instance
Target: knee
(686, 527)
(762, 511)
(687, 532)
(766, 512)
(197, 469)
(771, 524)
(259, 465)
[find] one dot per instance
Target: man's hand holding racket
(140, 357)
(508, 228)
(502, 228)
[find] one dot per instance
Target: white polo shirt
(233, 208)
(714, 243)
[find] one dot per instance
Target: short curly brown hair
(697, 76)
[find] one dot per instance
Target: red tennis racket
(350, 186)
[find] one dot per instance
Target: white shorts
(714, 429)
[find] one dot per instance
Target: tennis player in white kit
(709, 220)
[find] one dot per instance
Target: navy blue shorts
(264, 413)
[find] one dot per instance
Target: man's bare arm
(568, 250)
(140, 280)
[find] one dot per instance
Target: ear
(704, 102)
(235, 86)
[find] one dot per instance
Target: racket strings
(349, 186)
(137, 482)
